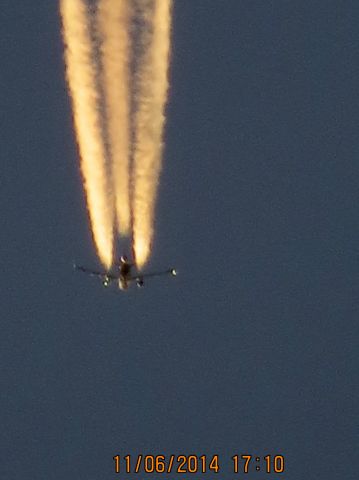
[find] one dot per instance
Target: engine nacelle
(140, 282)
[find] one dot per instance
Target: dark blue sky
(253, 347)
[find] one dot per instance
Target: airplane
(124, 277)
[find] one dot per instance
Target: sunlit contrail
(102, 113)
(150, 96)
(113, 25)
(81, 76)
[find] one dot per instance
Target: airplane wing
(102, 275)
(140, 277)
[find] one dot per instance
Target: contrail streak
(113, 19)
(150, 97)
(81, 76)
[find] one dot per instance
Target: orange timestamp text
(244, 463)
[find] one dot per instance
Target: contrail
(151, 87)
(113, 18)
(110, 113)
(81, 76)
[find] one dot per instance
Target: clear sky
(253, 347)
